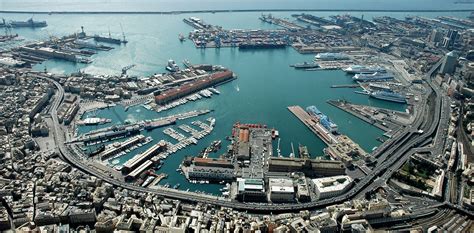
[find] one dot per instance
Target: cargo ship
(374, 77)
(331, 56)
(109, 40)
(305, 65)
(389, 96)
(323, 119)
(28, 23)
(356, 69)
(262, 45)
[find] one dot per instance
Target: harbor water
(266, 84)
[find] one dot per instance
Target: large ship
(262, 45)
(323, 119)
(331, 56)
(305, 65)
(374, 77)
(28, 23)
(94, 121)
(389, 96)
(109, 39)
(364, 69)
(172, 66)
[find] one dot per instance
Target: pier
(138, 160)
(313, 125)
(340, 147)
(386, 120)
(281, 22)
(121, 131)
(115, 149)
(346, 86)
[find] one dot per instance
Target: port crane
(126, 68)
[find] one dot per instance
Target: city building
(281, 189)
(450, 39)
(310, 167)
(449, 63)
(251, 190)
(436, 36)
(193, 86)
(328, 187)
(209, 169)
(302, 190)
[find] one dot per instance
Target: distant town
(62, 166)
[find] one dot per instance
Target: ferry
(94, 121)
(356, 69)
(331, 56)
(172, 66)
(28, 23)
(323, 119)
(374, 77)
(305, 65)
(389, 96)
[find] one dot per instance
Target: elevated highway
(397, 151)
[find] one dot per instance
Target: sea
(265, 86)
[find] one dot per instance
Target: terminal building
(118, 147)
(310, 167)
(281, 190)
(137, 160)
(251, 190)
(209, 169)
(193, 86)
(333, 186)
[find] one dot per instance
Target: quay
(345, 107)
(157, 180)
(386, 120)
(115, 132)
(280, 22)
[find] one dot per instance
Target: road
(397, 151)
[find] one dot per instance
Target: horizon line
(230, 10)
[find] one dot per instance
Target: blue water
(266, 84)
